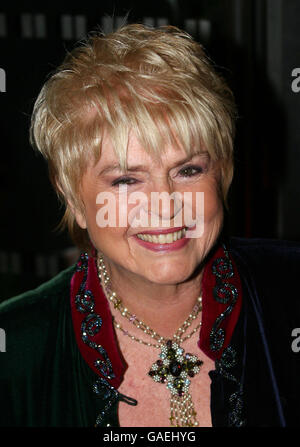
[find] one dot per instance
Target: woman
(161, 311)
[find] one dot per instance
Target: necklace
(174, 367)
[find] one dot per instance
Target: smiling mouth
(167, 238)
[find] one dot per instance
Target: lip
(163, 248)
(162, 231)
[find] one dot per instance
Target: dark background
(255, 45)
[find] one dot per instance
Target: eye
(190, 171)
(124, 181)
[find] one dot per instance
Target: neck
(163, 307)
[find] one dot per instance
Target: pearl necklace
(173, 366)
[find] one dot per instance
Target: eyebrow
(117, 167)
(135, 168)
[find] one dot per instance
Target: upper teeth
(163, 238)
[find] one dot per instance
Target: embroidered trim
(91, 325)
(223, 292)
(236, 404)
(106, 392)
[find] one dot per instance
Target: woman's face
(128, 219)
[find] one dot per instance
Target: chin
(172, 275)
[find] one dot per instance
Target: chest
(153, 408)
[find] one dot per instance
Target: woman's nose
(165, 201)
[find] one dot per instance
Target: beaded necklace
(174, 367)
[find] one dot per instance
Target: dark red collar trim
(90, 310)
(221, 303)
(105, 337)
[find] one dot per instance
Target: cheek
(212, 222)
(107, 239)
(103, 223)
(206, 200)
(213, 207)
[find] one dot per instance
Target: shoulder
(42, 296)
(28, 319)
(265, 257)
(34, 325)
(269, 271)
(260, 249)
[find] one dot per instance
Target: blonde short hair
(155, 82)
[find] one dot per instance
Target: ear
(77, 213)
(79, 216)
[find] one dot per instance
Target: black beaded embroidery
(227, 361)
(85, 303)
(224, 292)
(108, 394)
(92, 323)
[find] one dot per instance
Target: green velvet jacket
(44, 379)
(46, 382)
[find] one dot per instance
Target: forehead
(137, 156)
